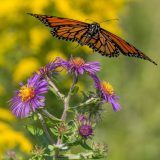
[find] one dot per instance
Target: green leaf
(85, 145)
(50, 147)
(54, 131)
(34, 130)
(85, 96)
(35, 117)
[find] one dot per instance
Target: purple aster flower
(48, 69)
(106, 92)
(109, 96)
(86, 130)
(29, 97)
(78, 66)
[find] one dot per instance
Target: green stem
(66, 104)
(54, 89)
(45, 128)
(89, 101)
(50, 115)
(67, 99)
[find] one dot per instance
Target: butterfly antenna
(115, 19)
(89, 20)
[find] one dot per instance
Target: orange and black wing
(53, 21)
(126, 48)
(64, 28)
(103, 45)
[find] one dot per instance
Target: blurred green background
(26, 44)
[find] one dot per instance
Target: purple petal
(80, 70)
(96, 81)
(25, 110)
(116, 106)
(92, 67)
(114, 103)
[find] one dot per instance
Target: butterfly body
(92, 35)
(93, 29)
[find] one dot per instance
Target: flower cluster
(31, 98)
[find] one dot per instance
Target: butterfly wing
(70, 32)
(53, 21)
(64, 28)
(103, 45)
(126, 48)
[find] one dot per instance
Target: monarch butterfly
(92, 35)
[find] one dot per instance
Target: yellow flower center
(77, 61)
(107, 88)
(26, 93)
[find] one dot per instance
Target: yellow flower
(24, 68)
(66, 8)
(9, 7)
(10, 139)
(38, 36)
(38, 5)
(6, 115)
(53, 54)
(6, 43)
